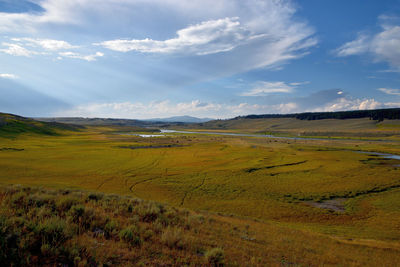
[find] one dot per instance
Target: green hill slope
(12, 125)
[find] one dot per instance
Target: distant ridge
(94, 121)
(373, 114)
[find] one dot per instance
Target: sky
(220, 59)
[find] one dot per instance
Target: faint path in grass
(145, 167)
(193, 189)
(142, 181)
(105, 181)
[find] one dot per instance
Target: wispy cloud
(8, 76)
(17, 50)
(240, 38)
(70, 54)
(28, 47)
(238, 32)
(263, 88)
(390, 91)
(356, 47)
(299, 83)
(47, 44)
(383, 46)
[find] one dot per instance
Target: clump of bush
(131, 236)
(215, 257)
(173, 237)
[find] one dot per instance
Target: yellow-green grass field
(362, 128)
(271, 184)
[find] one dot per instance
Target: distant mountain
(183, 119)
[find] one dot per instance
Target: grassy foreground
(76, 228)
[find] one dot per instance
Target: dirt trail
(193, 189)
(153, 164)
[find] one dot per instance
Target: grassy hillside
(41, 227)
(363, 127)
(11, 125)
(96, 121)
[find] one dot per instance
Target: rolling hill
(348, 123)
(11, 125)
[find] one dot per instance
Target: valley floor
(265, 198)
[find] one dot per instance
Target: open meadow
(343, 204)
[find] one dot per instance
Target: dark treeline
(376, 114)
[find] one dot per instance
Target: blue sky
(206, 58)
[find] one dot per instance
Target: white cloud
(208, 37)
(250, 38)
(47, 44)
(383, 46)
(44, 47)
(356, 47)
(390, 91)
(17, 50)
(70, 54)
(197, 108)
(355, 104)
(263, 88)
(8, 76)
(223, 35)
(299, 83)
(253, 33)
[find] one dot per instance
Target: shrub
(215, 256)
(149, 212)
(131, 236)
(18, 200)
(81, 215)
(95, 196)
(64, 204)
(44, 212)
(111, 228)
(8, 242)
(38, 200)
(173, 238)
(53, 231)
(76, 212)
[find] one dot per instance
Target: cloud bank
(328, 100)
